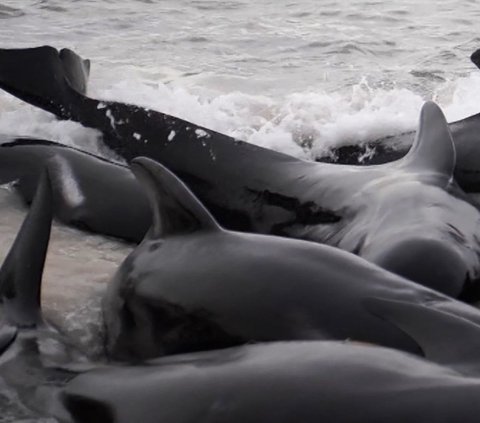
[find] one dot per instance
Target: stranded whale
(89, 192)
(191, 285)
(410, 209)
(306, 382)
(271, 382)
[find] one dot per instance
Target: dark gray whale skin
(35, 360)
(465, 134)
(306, 382)
(192, 285)
(26, 364)
(88, 192)
(380, 213)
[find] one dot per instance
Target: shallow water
(296, 76)
(77, 268)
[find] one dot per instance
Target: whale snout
(426, 261)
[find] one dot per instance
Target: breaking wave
(302, 124)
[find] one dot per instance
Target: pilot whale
(192, 285)
(306, 382)
(37, 362)
(408, 216)
(271, 382)
(89, 192)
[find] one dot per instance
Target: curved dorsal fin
(175, 209)
(433, 149)
(21, 272)
(444, 338)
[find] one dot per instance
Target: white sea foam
(303, 124)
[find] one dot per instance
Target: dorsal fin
(21, 273)
(175, 208)
(444, 338)
(433, 149)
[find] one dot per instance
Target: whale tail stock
(44, 77)
(21, 272)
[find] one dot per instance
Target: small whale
(89, 192)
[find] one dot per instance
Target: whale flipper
(433, 149)
(175, 208)
(21, 273)
(44, 77)
(459, 345)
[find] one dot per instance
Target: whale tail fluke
(44, 77)
(21, 273)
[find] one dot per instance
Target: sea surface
(296, 76)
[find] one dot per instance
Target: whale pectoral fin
(175, 208)
(44, 77)
(433, 149)
(8, 334)
(21, 272)
(443, 337)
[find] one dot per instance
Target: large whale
(306, 382)
(408, 216)
(192, 285)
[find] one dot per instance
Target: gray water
(274, 73)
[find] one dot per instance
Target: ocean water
(296, 76)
